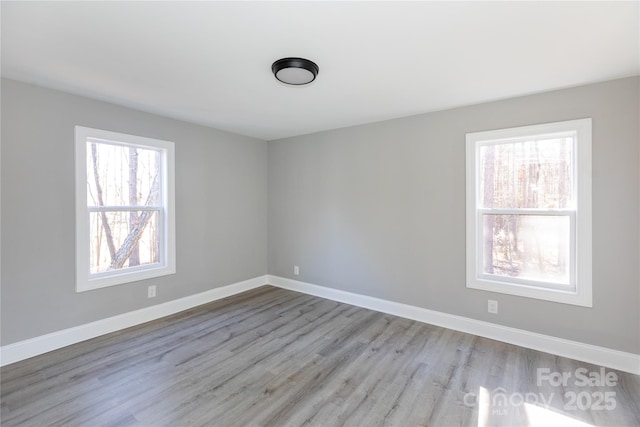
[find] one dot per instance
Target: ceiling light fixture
(295, 71)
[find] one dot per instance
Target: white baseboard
(602, 356)
(627, 362)
(32, 347)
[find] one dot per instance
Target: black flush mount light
(295, 71)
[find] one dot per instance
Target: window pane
(122, 176)
(533, 174)
(533, 247)
(132, 236)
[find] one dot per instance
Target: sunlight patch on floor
(484, 402)
(496, 404)
(538, 416)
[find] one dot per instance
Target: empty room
(320, 213)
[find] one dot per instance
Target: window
(125, 228)
(529, 211)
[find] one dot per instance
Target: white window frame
(86, 281)
(580, 215)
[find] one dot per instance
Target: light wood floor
(271, 357)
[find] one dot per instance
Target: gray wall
(221, 202)
(375, 209)
(379, 209)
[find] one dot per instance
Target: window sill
(83, 285)
(583, 298)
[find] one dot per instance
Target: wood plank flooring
(271, 357)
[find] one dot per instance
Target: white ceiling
(210, 62)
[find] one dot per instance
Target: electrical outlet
(296, 270)
(493, 307)
(151, 291)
